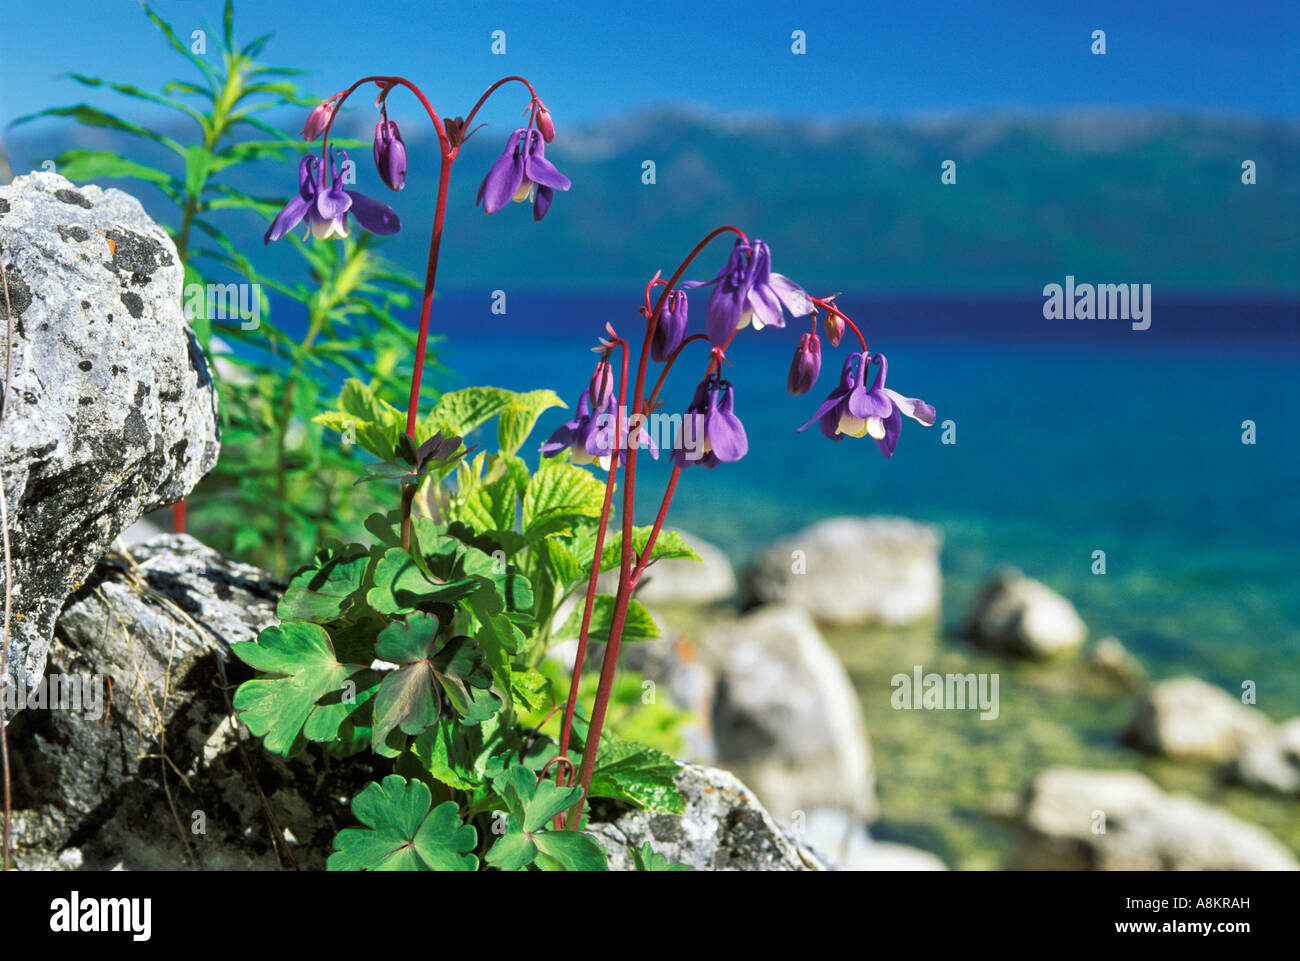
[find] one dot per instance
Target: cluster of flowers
(747, 292)
(522, 173)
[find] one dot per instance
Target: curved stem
(832, 309)
(469, 119)
(668, 365)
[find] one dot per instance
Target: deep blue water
(1071, 437)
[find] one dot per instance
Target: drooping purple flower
(522, 173)
(805, 366)
(390, 154)
(671, 329)
(326, 208)
(748, 291)
(589, 436)
(574, 435)
(852, 410)
(712, 434)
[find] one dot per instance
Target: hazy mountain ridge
(1108, 196)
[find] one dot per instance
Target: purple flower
(747, 290)
(602, 384)
(590, 435)
(852, 410)
(326, 208)
(522, 173)
(805, 366)
(671, 329)
(390, 154)
(574, 435)
(712, 434)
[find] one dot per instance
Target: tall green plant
(281, 478)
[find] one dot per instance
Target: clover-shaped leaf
(402, 834)
(294, 702)
(409, 698)
(524, 840)
(401, 586)
(324, 590)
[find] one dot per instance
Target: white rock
(786, 719)
(1272, 762)
(1187, 719)
(1020, 616)
(853, 570)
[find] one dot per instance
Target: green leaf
(669, 545)
(80, 165)
(636, 774)
(375, 423)
(402, 834)
(646, 858)
(325, 590)
(441, 750)
(304, 668)
(460, 411)
(560, 492)
(400, 585)
(407, 699)
(568, 851)
(530, 807)
(519, 417)
(637, 626)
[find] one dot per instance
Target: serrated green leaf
(517, 420)
(568, 851)
(636, 774)
(402, 834)
(560, 491)
(669, 545)
(637, 626)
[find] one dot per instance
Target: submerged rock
(111, 410)
(853, 570)
(1020, 616)
(1187, 719)
(786, 719)
(1077, 819)
(1272, 762)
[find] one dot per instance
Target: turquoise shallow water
(1067, 442)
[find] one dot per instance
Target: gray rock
(91, 786)
(1272, 762)
(1111, 659)
(706, 581)
(853, 570)
(1020, 616)
(1120, 821)
(847, 843)
(1187, 719)
(786, 719)
(112, 411)
(724, 828)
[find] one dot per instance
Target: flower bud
(834, 327)
(602, 385)
(317, 121)
(390, 154)
(546, 125)
(671, 329)
(805, 366)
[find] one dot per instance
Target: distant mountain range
(1103, 196)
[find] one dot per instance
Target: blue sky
(595, 60)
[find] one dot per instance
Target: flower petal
(893, 427)
(918, 410)
(373, 215)
(794, 297)
(288, 218)
(503, 180)
(724, 430)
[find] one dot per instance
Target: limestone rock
(1020, 616)
(1187, 719)
(91, 787)
(786, 719)
(853, 570)
(1272, 762)
(724, 828)
(111, 409)
(1120, 821)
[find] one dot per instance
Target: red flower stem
(626, 583)
(469, 119)
(644, 560)
(668, 365)
(566, 728)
